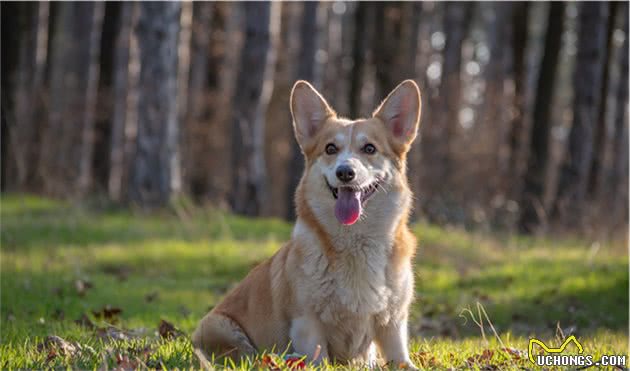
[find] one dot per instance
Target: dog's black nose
(345, 173)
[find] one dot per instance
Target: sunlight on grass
(60, 262)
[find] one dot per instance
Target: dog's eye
(331, 149)
(369, 149)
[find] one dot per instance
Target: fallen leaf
(109, 313)
(426, 359)
(266, 361)
(55, 346)
(168, 331)
(514, 353)
(485, 356)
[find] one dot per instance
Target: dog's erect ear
(309, 110)
(400, 112)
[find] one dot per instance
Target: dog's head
(355, 162)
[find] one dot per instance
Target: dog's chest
(355, 284)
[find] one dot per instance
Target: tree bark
(532, 207)
(305, 71)
(156, 178)
(361, 54)
(456, 21)
(520, 21)
(27, 90)
(68, 141)
(196, 133)
(253, 91)
(119, 107)
(587, 82)
(618, 179)
(599, 148)
(395, 44)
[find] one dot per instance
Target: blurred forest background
(524, 119)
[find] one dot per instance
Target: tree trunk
(618, 179)
(395, 44)
(104, 106)
(456, 22)
(361, 54)
(520, 21)
(532, 207)
(196, 133)
(28, 87)
(119, 106)
(253, 91)
(156, 176)
(599, 148)
(587, 82)
(305, 71)
(68, 141)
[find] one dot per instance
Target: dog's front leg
(308, 338)
(391, 340)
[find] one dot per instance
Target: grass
(60, 262)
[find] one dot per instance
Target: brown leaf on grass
(108, 313)
(82, 286)
(426, 359)
(168, 331)
(484, 357)
(267, 362)
(56, 346)
(85, 321)
(514, 353)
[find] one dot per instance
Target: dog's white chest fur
(351, 293)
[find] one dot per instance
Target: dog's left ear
(400, 112)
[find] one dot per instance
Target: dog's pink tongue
(348, 206)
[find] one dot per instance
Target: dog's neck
(375, 230)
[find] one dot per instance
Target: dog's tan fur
(333, 291)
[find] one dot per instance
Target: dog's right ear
(309, 110)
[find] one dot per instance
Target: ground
(120, 273)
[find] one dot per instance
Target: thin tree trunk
(617, 188)
(361, 54)
(520, 21)
(395, 43)
(587, 82)
(305, 71)
(253, 91)
(456, 21)
(68, 141)
(599, 149)
(156, 178)
(27, 91)
(196, 130)
(121, 98)
(532, 207)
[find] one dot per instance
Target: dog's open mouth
(350, 201)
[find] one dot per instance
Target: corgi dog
(340, 289)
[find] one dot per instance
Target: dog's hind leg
(222, 337)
